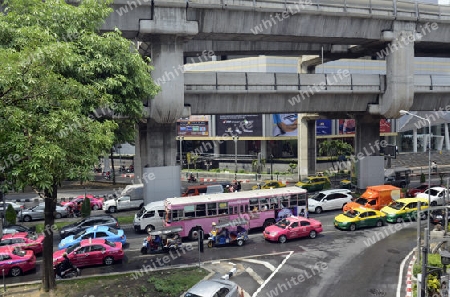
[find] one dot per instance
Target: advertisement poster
(323, 127)
(347, 126)
(239, 125)
(196, 125)
(285, 124)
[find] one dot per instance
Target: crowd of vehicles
(132, 197)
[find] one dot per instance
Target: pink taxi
(292, 227)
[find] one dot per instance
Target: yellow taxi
(269, 184)
(404, 209)
(314, 183)
(359, 218)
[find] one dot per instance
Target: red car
(292, 227)
(24, 240)
(16, 261)
(95, 203)
(91, 252)
(419, 189)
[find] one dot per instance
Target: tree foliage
(11, 215)
(335, 148)
(62, 88)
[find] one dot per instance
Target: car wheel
(318, 209)
(210, 243)
(15, 271)
(58, 215)
(434, 203)
(423, 216)
(282, 239)
(312, 234)
(108, 260)
(379, 223)
(240, 242)
(27, 219)
(95, 207)
(399, 220)
(149, 228)
(352, 227)
(112, 209)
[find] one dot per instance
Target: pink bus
(259, 207)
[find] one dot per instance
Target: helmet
(65, 255)
(213, 223)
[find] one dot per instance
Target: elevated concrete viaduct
(173, 29)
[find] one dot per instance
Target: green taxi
(314, 183)
(359, 218)
(404, 209)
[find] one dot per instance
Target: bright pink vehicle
(16, 261)
(95, 202)
(23, 240)
(260, 208)
(292, 227)
(90, 252)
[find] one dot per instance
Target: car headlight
(438, 217)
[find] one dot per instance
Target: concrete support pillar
(137, 156)
(399, 93)
(311, 139)
(446, 137)
(369, 163)
(414, 141)
(306, 146)
(264, 149)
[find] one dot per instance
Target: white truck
(150, 217)
(132, 197)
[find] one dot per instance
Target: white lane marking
(266, 264)
(272, 275)
(255, 276)
(400, 275)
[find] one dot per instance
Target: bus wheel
(268, 222)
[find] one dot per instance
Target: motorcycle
(68, 273)
(162, 241)
(192, 179)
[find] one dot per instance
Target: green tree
(62, 86)
(10, 215)
(334, 149)
(86, 207)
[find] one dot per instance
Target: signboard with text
(196, 125)
(239, 125)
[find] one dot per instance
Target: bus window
(176, 214)
(200, 210)
(244, 208)
(263, 204)
(189, 211)
(254, 204)
(274, 203)
(284, 202)
(293, 200)
(223, 207)
(212, 209)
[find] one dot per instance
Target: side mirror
(325, 200)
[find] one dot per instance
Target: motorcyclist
(64, 265)
(192, 177)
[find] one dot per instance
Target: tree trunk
(48, 276)
(113, 175)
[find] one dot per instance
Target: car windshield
(32, 236)
(433, 192)
(114, 231)
(79, 234)
(283, 223)
(111, 244)
(351, 213)
(19, 252)
(397, 205)
(306, 180)
(140, 212)
(361, 201)
(72, 248)
(191, 295)
(318, 196)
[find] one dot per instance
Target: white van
(150, 217)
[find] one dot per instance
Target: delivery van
(150, 217)
(202, 190)
(375, 197)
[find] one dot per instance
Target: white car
(437, 195)
(329, 200)
(17, 207)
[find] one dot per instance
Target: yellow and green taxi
(314, 183)
(269, 184)
(404, 209)
(359, 218)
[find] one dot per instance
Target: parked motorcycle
(192, 179)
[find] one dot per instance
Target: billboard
(239, 124)
(323, 127)
(284, 124)
(347, 126)
(196, 125)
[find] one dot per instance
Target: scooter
(192, 179)
(68, 273)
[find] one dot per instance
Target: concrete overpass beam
(399, 55)
(369, 163)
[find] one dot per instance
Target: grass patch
(126, 220)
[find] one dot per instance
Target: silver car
(213, 288)
(15, 206)
(37, 213)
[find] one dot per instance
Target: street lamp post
(180, 138)
(271, 166)
(235, 139)
(427, 230)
